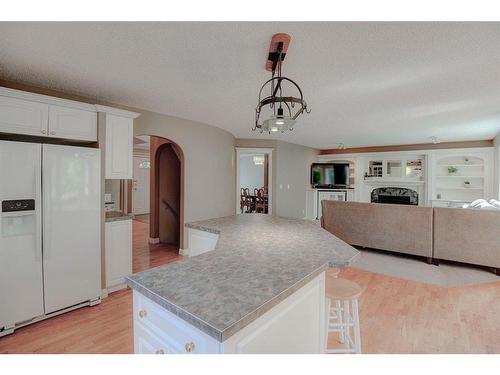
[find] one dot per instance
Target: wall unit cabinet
(44, 116)
(23, 117)
(118, 245)
(72, 123)
(315, 196)
(119, 126)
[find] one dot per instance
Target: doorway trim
(255, 150)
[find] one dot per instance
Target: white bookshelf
(467, 183)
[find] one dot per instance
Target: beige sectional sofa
(461, 235)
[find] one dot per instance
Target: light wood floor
(397, 316)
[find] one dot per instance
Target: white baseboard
(184, 252)
(104, 293)
(154, 240)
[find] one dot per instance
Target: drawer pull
(53, 132)
(43, 131)
(189, 347)
(160, 351)
(143, 313)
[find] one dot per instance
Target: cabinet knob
(143, 313)
(43, 131)
(160, 351)
(189, 347)
(53, 132)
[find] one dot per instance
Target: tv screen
(330, 174)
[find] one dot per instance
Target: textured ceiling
(366, 83)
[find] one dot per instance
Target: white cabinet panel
(23, 117)
(118, 245)
(72, 123)
(119, 147)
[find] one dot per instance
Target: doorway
(156, 201)
(254, 187)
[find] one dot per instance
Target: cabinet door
(72, 123)
(23, 117)
(118, 244)
(119, 143)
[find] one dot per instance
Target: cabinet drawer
(180, 336)
(72, 123)
(23, 117)
(146, 342)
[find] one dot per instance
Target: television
(330, 175)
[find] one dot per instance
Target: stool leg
(357, 334)
(346, 324)
(327, 325)
(340, 318)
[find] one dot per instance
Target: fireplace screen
(394, 195)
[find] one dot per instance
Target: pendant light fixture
(281, 107)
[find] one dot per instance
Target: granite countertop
(258, 261)
(117, 216)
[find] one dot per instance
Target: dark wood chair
(245, 200)
(260, 201)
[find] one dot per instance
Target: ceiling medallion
(280, 107)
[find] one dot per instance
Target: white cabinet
(315, 196)
(119, 125)
(119, 147)
(72, 123)
(118, 245)
(23, 117)
(45, 116)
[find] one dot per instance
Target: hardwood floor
(397, 316)
(146, 255)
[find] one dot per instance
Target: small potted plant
(452, 170)
(467, 184)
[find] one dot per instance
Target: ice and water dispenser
(18, 217)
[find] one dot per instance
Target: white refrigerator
(50, 223)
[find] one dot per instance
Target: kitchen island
(256, 286)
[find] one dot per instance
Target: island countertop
(259, 260)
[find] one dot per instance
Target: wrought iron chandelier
(280, 106)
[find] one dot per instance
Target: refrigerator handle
(38, 211)
(45, 217)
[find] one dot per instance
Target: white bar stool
(343, 315)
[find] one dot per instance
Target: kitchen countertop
(259, 260)
(117, 216)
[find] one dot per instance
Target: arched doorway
(156, 201)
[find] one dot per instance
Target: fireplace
(394, 195)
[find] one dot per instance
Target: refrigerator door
(21, 287)
(72, 225)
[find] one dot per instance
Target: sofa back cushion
(400, 228)
(468, 236)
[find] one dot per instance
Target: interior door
(72, 225)
(140, 185)
(21, 288)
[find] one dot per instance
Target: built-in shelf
(458, 176)
(460, 165)
(459, 188)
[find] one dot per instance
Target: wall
(292, 178)
(209, 167)
(251, 175)
(496, 143)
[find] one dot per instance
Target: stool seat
(342, 289)
(332, 272)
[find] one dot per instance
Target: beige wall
(496, 163)
(209, 168)
(292, 178)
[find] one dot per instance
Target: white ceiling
(366, 83)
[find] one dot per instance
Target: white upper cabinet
(26, 113)
(72, 123)
(23, 117)
(119, 142)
